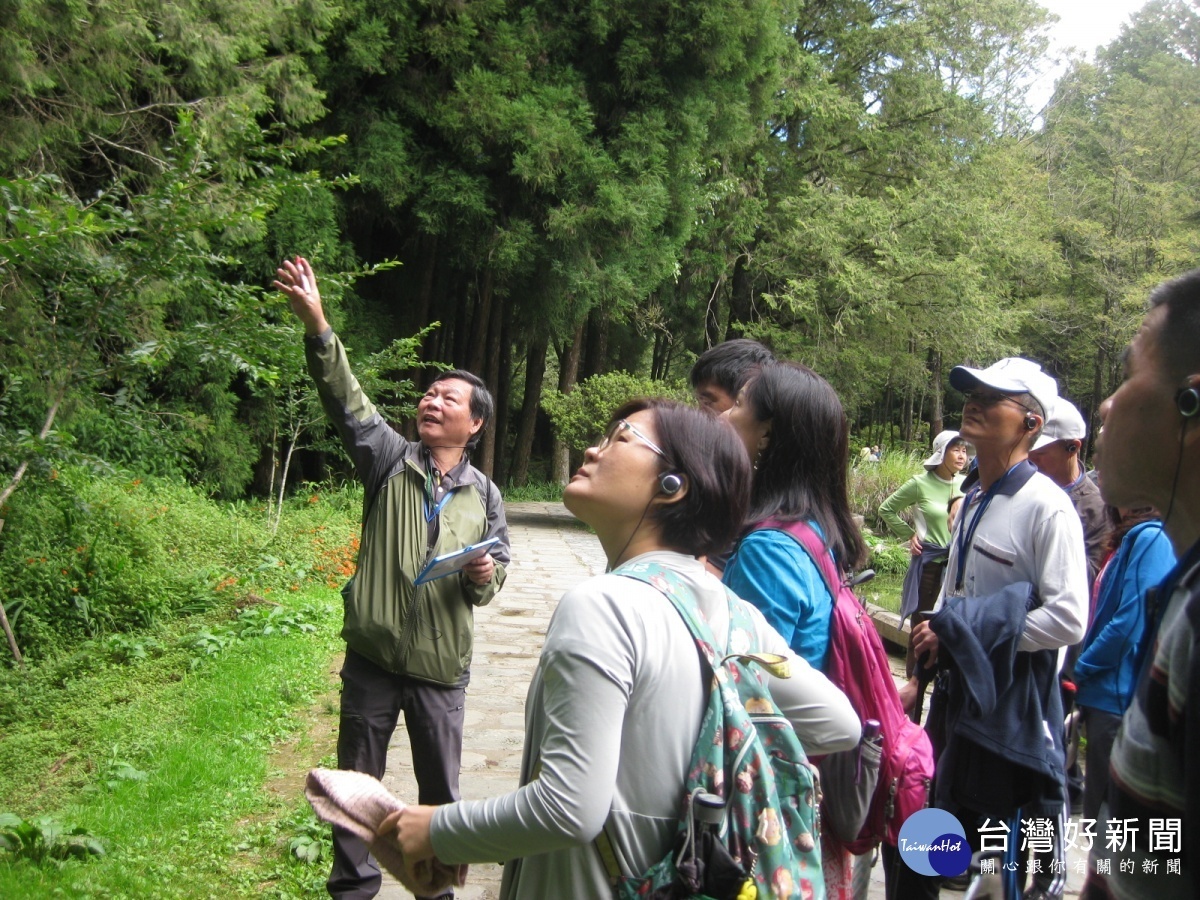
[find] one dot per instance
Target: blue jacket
(1106, 670)
(1002, 710)
(771, 571)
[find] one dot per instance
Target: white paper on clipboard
(449, 563)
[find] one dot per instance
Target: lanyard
(967, 535)
(431, 509)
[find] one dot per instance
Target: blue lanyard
(432, 512)
(967, 535)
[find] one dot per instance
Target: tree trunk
(8, 632)
(657, 353)
(425, 295)
(568, 373)
(889, 407)
(489, 370)
(443, 311)
(535, 370)
(712, 317)
(741, 298)
(462, 314)
(595, 356)
(274, 468)
(503, 401)
(481, 326)
(287, 464)
(937, 399)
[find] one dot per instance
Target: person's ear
(476, 424)
(765, 439)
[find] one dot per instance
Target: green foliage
(1117, 151)
(42, 839)
(888, 557)
(88, 553)
(252, 622)
(872, 482)
(385, 378)
(113, 304)
(538, 491)
(78, 733)
(579, 416)
(118, 771)
(314, 841)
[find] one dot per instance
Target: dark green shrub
(579, 417)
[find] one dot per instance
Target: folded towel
(359, 803)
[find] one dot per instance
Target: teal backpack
(759, 840)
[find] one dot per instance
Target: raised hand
(296, 280)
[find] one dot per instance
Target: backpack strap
(680, 594)
(675, 589)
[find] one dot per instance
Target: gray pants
(1101, 728)
(372, 700)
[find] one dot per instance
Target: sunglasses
(621, 426)
(988, 399)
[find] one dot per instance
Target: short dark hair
(802, 473)
(708, 454)
(482, 404)
(730, 365)
(1180, 297)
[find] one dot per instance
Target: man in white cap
(1056, 454)
(1017, 537)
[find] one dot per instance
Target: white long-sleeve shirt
(1028, 532)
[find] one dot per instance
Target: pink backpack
(858, 664)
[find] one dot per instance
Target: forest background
(573, 199)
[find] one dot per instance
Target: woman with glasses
(614, 708)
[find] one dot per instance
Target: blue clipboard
(449, 563)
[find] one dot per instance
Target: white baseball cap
(1063, 424)
(1011, 375)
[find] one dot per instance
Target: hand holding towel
(360, 804)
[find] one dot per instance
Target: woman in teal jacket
(796, 433)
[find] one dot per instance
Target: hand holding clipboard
(454, 561)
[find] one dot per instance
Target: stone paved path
(551, 552)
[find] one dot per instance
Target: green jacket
(424, 631)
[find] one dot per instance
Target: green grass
(179, 746)
(870, 483)
(882, 590)
(199, 731)
(540, 491)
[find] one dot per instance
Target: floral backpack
(758, 837)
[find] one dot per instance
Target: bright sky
(1083, 25)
